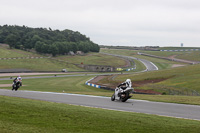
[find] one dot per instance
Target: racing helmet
(128, 81)
(19, 78)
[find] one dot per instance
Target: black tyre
(16, 88)
(125, 98)
(113, 97)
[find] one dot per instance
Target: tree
(11, 40)
(73, 46)
(45, 40)
(35, 39)
(53, 50)
(38, 46)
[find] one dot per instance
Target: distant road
(140, 106)
(149, 67)
(148, 64)
(55, 75)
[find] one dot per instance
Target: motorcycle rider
(126, 84)
(17, 79)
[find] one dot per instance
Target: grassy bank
(160, 63)
(182, 79)
(6, 52)
(38, 65)
(75, 84)
(24, 115)
(94, 59)
(44, 64)
(194, 100)
(49, 64)
(186, 55)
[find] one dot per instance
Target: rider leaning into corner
(126, 84)
(122, 91)
(17, 79)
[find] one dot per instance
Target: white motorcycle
(122, 95)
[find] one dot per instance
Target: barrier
(130, 69)
(178, 50)
(93, 85)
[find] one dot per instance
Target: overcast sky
(112, 22)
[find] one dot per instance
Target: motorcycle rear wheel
(113, 97)
(125, 98)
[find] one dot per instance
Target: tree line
(45, 40)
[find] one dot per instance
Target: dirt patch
(144, 82)
(96, 79)
(5, 85)
(172, 57)
(134, 84)
(177, 65)
(141, 91)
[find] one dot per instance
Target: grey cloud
(114, 22)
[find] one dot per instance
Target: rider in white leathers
(126, 84)
(122, 91)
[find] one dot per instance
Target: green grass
(94, 59)
(139, 66)
(48, 64)
(186, 55)
(74, 84)
(23, 115)
(177, 48)
(6, 52)
(194, 56)
(160, 63)
(37, 65)
(182, 79)
(120, 51)
(43, 64)
(194, 100)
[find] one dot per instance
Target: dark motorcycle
(16, 85)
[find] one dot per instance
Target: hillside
(44, 40)
(160, 63)
(185, 55)
(19, 60)
(168, 80)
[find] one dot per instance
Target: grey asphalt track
(139, 106)
(149, 65)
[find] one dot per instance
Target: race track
(140, 106)
(148, 64)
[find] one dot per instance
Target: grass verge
(75, 84)
(24, 115)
